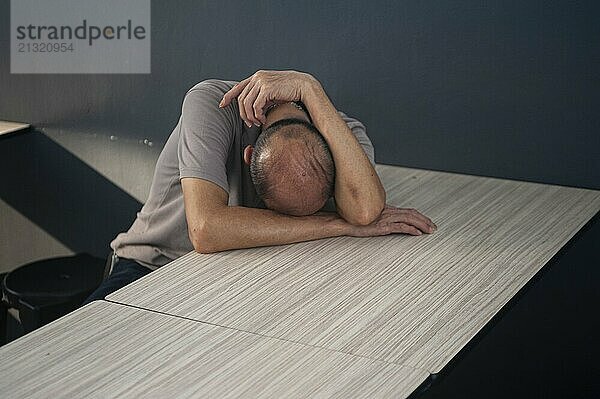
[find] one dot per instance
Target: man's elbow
(204, 249)
(370, 211)
(364, 216)
(362, 212)
(202, 242)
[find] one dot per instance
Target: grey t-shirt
(207, 143)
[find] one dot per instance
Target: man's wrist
(338, 226)
(310, 90)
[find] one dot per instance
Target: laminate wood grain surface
(9, 127)
(410, 300)
(107, 350)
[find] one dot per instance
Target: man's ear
(248, 154)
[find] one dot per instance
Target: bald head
(292, 168)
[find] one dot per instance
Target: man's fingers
(241, 101)
(259, 107)
(409, 217)
(423, 222)
(415, 215)
(406, 228)
(421, 216)
(249, 101)
(418, 221)
(243, 113)
(233, 93)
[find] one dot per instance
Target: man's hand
(265, 88)
(395, 220)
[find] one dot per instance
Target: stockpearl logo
(80, 36)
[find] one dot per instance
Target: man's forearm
(234, 227)
(359, 194)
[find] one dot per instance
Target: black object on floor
(47, 289)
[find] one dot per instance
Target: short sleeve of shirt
(205, 136)
(360, 132)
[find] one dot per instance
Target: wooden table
(408, 300)
(107, 350)
(341, 317)
(9, 127)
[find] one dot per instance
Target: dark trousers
(124, 272)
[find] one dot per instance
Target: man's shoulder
(206, 95)
(213, 85)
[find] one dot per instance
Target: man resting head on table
(255, 163)
(291, 166)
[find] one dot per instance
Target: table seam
(269, 336)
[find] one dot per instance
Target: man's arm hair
(359, 194)
(214, 226)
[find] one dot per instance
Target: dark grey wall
(496, 88)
